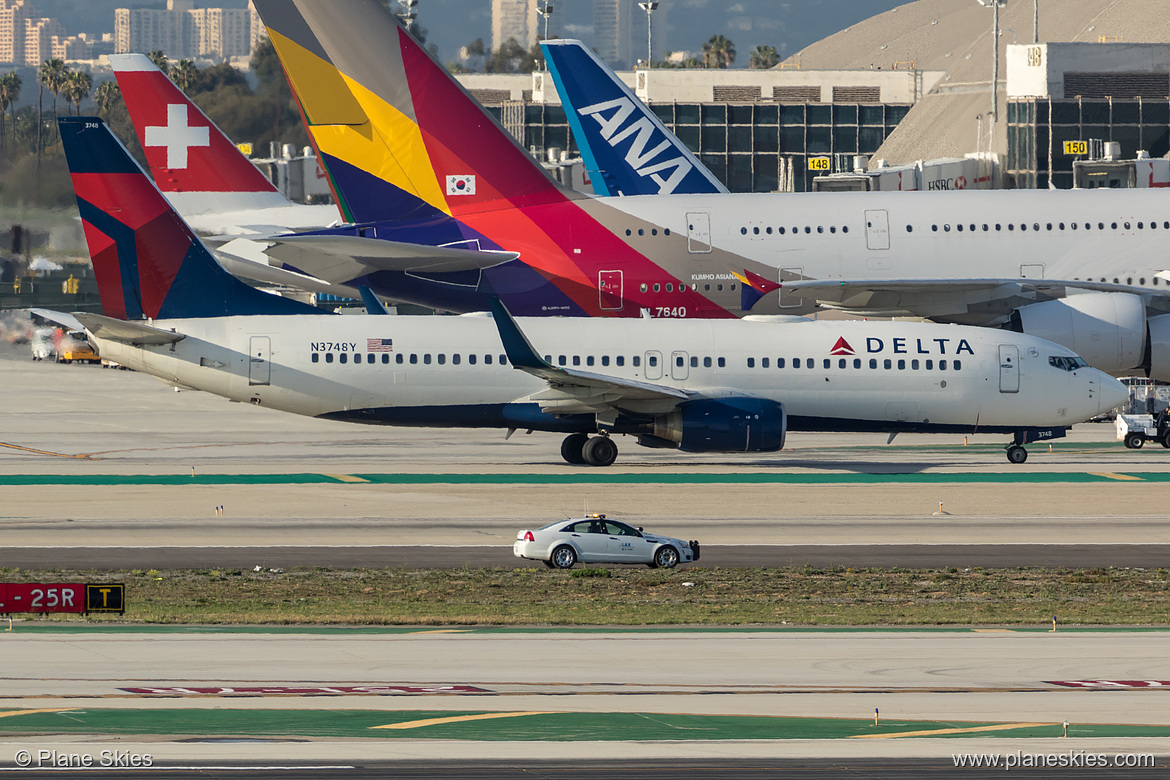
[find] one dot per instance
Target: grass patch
(627, 596)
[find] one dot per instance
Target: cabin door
(877, 229)
(1009, 368)
(698, 232)
(259, 357)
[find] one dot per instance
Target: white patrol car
(594, 539)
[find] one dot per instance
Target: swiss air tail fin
(147, 261)
(626, 148)
(400, 137)
(192, 161)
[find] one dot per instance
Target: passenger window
(643, 287)
(796, 362)
(873, 362)
(315, 357)
(828, 363)
(342, 358)
(455, 360)
(636, 361)
(503, 360)
(653, 361)
(956, 365)
(722, 363)
(427, 358)
(857, 362)
(751, 362)
(442, 358)
(842, 363)
(328, 357)
(913, 365)
(694, 362)
(901, 365)
(621, 360)
(487, 360)
(576, 360)
(589, 360)
(942, 365)
(679, 361)
(605, 360)
(779, 362)
(413, 358)
(470, 359)
(706, 362)
(887, 363)
(929, 365)
(562, 360)
(763, 362)
(657, 287)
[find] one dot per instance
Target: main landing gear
(580, 448)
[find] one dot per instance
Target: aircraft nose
(1113, 393)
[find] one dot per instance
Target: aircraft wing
(339, 259)
(126, 332)
(579, 392)
(67, 321)
(934, 297)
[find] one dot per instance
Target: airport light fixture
(649, 7)
(408, 13)
(546, 10)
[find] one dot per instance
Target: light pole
(995, 6)
(546, 10)
(649, 7)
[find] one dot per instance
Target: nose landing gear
(1016, 452)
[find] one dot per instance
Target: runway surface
(96, 471)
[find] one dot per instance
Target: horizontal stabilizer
(339, 259)
(61, 318)
(126, 332)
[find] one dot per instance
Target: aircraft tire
(600, 451)
(1016, 454)
(572, 448)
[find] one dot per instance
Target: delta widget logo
(841, 347)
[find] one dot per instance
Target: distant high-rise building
(514, 19)
(185, 32)
(38, 39)
(613, 21)
(26, 37)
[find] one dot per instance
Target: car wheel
(666, 557)
(564, 557)
(1135, 441)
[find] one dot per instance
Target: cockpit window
(1066, 363)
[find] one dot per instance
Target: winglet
(373, 305)
(519, 350)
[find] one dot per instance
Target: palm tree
(13, 89)
(51, 74)
(77, 88)
(718, 52)
(106, 96)
(764, 57)
(160, 60)
(184, 74)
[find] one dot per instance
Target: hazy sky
(789, 25)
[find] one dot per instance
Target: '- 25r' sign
(60, 597)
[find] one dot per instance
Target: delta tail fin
(401, 139)
(147, 261)
(192, 161)
(626, 148)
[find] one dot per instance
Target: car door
(591, 540)
(626, 545)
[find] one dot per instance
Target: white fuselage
(1112, 236)
(451, 371)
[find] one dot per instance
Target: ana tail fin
(147, 261)
(190, 158)
(626, 148)
(400, 137)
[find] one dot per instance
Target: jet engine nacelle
(1159, 358)
(721, 425)
(1107, 329)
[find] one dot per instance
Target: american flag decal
(379, 345)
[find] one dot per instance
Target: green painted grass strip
(578, 478)
(561, 726)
